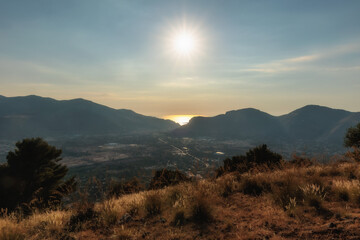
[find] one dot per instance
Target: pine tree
(352, 137)
(33, 177)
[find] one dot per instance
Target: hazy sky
(272, 55)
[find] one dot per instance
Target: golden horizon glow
(180, 119)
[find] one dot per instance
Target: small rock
(162, 220)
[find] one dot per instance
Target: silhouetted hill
(242, 124)
(310, 123)
(318, 123)
(37, 116)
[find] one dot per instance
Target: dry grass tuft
(152, 204)
(201, 209)
(123, 234)
(346, 190)
(227, 185)
(313, 195)
(9, 230)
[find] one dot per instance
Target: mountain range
(33, 116)
(311, 123)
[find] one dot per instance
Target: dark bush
(259, 157)
(179, 218)
(152, 204)
(84, 213)
(300, 161)
(80, 217)
(201, 210)
(117, 189)
(252, 186)
(343, 195)
(164, 177)
(284, 191)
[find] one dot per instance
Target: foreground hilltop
(46, 117)
(295, 200)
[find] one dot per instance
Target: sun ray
(185, 41)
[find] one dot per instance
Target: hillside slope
(313, 202)
(310, 123)
(33, 116)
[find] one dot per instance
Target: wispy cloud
(26, 71)
(302, 62)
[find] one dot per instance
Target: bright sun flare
(184, 43)
(180, 119)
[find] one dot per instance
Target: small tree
(32, 176)
(352, 137)
(164, 177)
(259, 156)
(262, 155)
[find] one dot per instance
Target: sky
(275, 56)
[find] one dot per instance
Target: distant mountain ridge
(311, 123)
(32, 115)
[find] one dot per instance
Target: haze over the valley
(163, 58)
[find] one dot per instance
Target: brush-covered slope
(295, 202)
(310, 123)
(37, 116)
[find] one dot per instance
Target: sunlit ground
(180, 119)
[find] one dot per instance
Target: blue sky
(272, 55)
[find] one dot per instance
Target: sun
(184, 43)
(180, 119)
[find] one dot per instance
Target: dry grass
(287, 203)
(347, 190)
